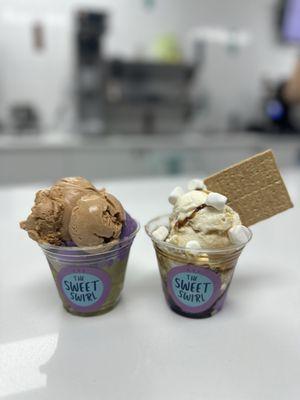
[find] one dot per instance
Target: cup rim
(172, 246)
(102, 249)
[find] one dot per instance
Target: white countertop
(142, 350)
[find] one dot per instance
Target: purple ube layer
(129, 227)
(69, 243)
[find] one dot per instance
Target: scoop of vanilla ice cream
(208, 226)
(186, 204)
(209, 220)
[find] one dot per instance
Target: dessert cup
(89, 280)
(195, 282)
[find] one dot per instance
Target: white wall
(45, 78)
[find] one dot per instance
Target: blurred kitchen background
(113, 89)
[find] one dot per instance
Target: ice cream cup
(89, 280)
(195, 281)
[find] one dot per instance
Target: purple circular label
(193, 289)
(85, 289)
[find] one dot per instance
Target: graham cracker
(254, 188)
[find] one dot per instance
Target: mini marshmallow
(160, 233)
(176, 192)
(238, 234)
(195, 184)
(216, 200)
(192, 244)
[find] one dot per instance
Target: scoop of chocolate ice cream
(97, 219)
(74, 210)
(69, 191)
(44, 224)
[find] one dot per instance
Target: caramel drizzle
(180, 224)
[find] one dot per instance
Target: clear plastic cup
(195, 282)
(90, 280)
